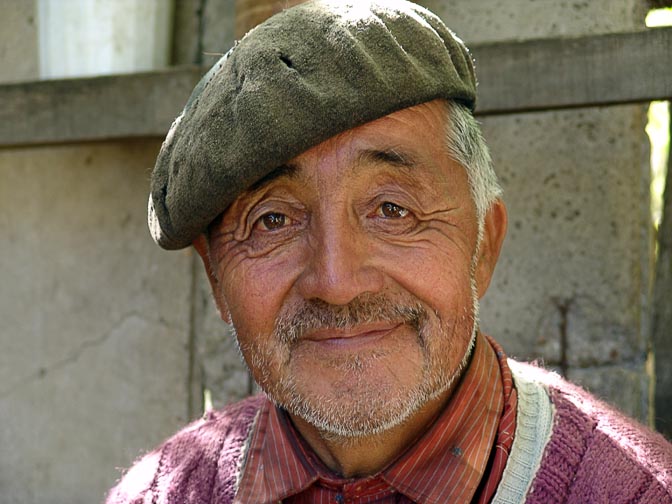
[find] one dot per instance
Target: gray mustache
(316, 314)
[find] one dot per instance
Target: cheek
(434, 275)
(255, 290)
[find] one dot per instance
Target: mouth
(351, 338)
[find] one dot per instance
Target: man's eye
(271, 221)
(392, 211)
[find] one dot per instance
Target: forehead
(410, 138)
(419, 128)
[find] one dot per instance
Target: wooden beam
(578, 72)
(514, 77)
(74, 110)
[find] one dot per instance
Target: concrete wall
(108, 342)
(18, 41)
(572, 286)
(94, 319)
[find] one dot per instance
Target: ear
(494, 230)
(203, 248)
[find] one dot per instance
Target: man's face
(351, 274)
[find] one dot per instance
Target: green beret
(303, 76)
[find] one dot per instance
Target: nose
(339, 265)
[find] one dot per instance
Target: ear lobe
(494, 231)
(203, 248)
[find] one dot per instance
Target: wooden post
(662, 310)
(249, 13)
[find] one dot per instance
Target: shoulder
(595, 453)
(201, 459)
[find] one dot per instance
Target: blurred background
(109, 344)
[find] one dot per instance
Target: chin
(359, 403)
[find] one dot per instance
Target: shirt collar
(449, 461)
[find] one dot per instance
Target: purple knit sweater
(593, 455)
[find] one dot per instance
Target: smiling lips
(351, 338)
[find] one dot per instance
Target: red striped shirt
(459, 459)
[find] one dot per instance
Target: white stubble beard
(372, 411)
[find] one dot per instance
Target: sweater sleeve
(198, 464)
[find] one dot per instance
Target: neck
(356, 457)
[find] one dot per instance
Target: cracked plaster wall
(94, 321)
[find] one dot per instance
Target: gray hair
(466, 146)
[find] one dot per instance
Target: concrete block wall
(572, 285)
(100, 357)
(108, 342)
(94, 321)
(18, 41)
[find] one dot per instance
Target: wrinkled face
(349, 274)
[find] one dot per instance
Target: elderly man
(330, 174)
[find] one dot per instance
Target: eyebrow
(391, 156)
(284, 170)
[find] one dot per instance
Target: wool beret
(301, 77)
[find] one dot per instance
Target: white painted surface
(97, 37)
